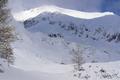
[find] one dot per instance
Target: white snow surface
(39, 57)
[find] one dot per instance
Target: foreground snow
(99, 71)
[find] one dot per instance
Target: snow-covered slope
(100, 27)
(52, 36)
(47, 36)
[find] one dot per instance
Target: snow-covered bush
(77, 54)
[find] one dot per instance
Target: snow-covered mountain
(102, 27)
(49, 34)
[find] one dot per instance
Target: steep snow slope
(103, 30)
(72, 29)
(43, 51)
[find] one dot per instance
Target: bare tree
(6, 33)
(77, 59)
(6, 37)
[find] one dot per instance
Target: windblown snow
(21, 16)
(48, 34)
